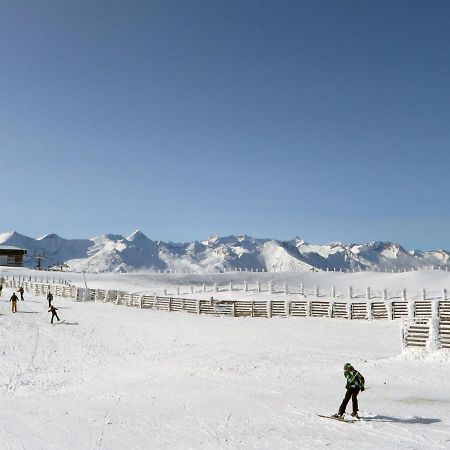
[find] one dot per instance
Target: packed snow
(114, 377)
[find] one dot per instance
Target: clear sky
(327, 120)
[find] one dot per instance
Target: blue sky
(328, 120)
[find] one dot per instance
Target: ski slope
(112, 377)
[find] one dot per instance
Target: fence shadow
(422, 420)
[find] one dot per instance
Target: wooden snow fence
(444, 332)
(399, 309)
(422, 309)
(428, 321)
(58, 290)
(429, 333)
(319, 309)
(416, 333)
(340, 310)
(444, 309)
(380, 310)
(358, 311)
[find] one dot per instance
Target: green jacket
(354, 379)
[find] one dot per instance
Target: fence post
(270, 288)
(403, 333)
(198, 306)
(390, 310)
(404, 295)
(302, 289)
(204, 287)
(411, 309)
(269, 308)
(433, 336)
(444, 294)
(287, 307)
(368, 293)
(385, 295)
(308, 308)
(141, 301)
(286, 289)
(424, 294)
(231, 286)
(246, 286)
(350, 292)
(258, 286)
(369, 310)
(316, 291)
(349, 310)
(333, 292)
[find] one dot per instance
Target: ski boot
(337, 416)
(355, 415)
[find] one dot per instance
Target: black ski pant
(352, 392)
(55, 315)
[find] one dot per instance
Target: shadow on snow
(422, 420)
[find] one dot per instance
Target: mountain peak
(50, 236)
(6, 236)
(136, 235)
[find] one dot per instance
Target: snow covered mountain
(116, 253)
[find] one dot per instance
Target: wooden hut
(11, 256)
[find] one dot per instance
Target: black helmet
(348, 366)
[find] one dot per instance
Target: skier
(50, 299)
(21, 292)
(13, 301)
(355, 383)
(54, 314)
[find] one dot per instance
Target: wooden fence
(420, 314)
(429, 329)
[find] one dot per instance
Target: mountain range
(116, 253)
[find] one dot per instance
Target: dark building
(11, 256)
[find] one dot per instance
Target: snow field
(112, 377)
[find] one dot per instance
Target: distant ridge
(136, 252)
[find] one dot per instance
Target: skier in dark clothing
(54, 314)
(21, 292)
(50, 299)
(13, 301)
(355, 383)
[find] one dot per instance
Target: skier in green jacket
(355, 383)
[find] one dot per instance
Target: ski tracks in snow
(98, 441)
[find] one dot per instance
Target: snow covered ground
(434, 281)
(112, 377)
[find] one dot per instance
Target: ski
(340, 419)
